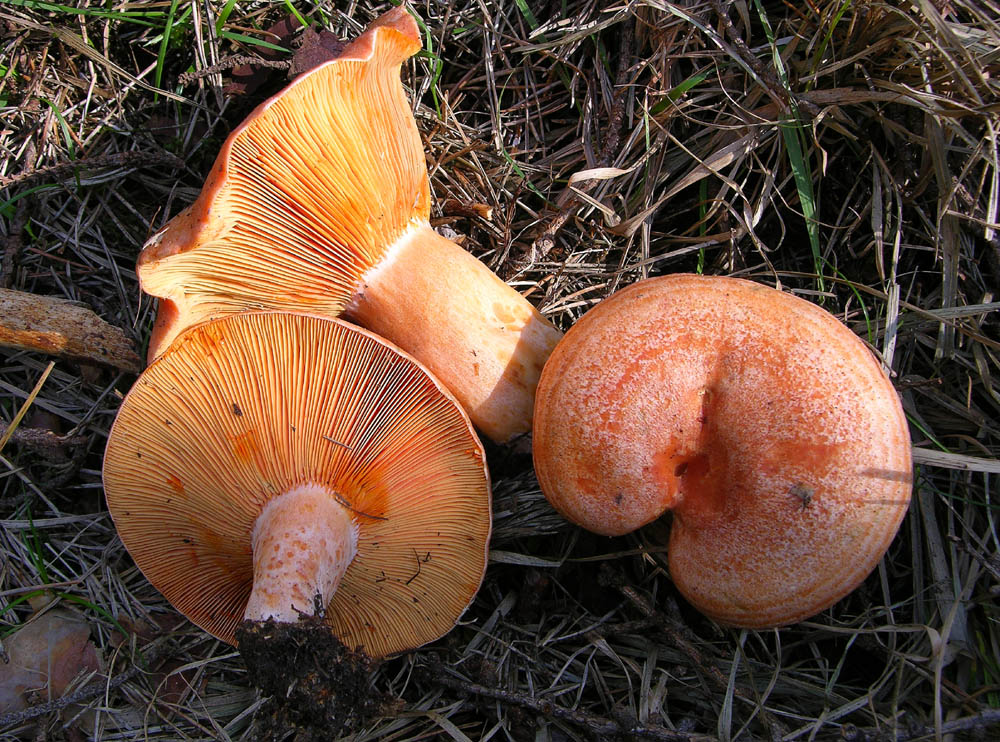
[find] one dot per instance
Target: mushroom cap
(764, 423)
(319, 202)
(246, 407)
(306, 195)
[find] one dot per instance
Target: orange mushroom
(272, 465)
(761, 422)
(320, 202)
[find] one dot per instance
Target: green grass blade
(244, 39)
(528, 15)
(825, 43)
(223, 16)
(793, 135)
(6, 209)
(161, 56)
(298, 16)
(130, 16)
(33, 542)
(437, 64)
(64, 127)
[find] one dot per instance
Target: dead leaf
(44, 656)
(247, 77)
(317, 47)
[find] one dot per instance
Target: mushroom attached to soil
(320, 202)
(761, 422)
(274, 465)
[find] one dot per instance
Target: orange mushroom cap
(320, 202)
(764, 424)
(253, 407)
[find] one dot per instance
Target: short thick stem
(481, 338)
(303, 542)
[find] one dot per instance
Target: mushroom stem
(303, 541)
(473, 331)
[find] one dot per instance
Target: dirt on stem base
(317, 688)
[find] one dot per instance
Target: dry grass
(844, 150)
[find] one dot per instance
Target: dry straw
(846, 151)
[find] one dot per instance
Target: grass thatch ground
(847, 151)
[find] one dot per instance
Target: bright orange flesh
(759, 419)
(473, 331)
(254, 405)
(305, 196)
(308, 197)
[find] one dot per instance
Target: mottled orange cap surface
(763, 423)
(250, 406)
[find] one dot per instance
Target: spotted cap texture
(761, 421)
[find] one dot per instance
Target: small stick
(979, 724)
(781, 95)
(14, 244)
(227, 63)
(132, 158)
(12, 428)
(591, 722)
(454, 207)
(91, 690)
(53, 325)
(775, 729)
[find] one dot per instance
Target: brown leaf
(44, 656)
(247, 77)
(317, 47)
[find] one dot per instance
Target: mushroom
(320, 202)
(273, 465)
(761, 422)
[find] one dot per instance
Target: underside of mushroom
(301, 487)
(320, 202)
(281, 457)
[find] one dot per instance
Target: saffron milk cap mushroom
(271, 465)
(760, 421)
(320, 202)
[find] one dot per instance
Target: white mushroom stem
(302, 543)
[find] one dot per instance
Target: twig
(778, 92)
(676, 636)
(13, 244)
(45, 442)
(132, 158)
(63, 455)
(59, 327)
(227, 63)
(594, 724)
(978, 723)
(455, 207)
(87, 692)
